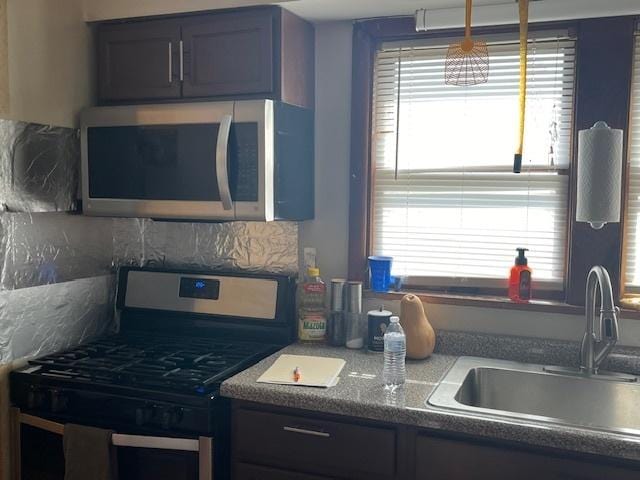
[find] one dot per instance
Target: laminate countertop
(360, 394)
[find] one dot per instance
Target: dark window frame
(604, 54)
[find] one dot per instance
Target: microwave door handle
(222, 173)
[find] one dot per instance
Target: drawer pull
(304, 431)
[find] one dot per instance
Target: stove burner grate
(176, 364)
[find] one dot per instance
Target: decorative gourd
(421, 338)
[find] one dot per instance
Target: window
(445, 203)
(632, 226)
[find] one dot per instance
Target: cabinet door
(458, 460)
(229, 54)
(138, 61)
(244, 471)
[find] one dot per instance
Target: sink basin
(529, 392)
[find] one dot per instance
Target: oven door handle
(161, 443)
(222, 152)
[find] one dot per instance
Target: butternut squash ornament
(421, 338)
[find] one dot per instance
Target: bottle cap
(313, 272)
(521, 259)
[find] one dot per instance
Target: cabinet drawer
(314, 445)
(244, 471)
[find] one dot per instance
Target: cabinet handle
(181, 61)
(170, 63)
(304, 431)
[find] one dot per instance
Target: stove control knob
(171, 417)
(143, 415)
(35, 399)
(59, 401)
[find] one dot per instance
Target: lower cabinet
(275, 443)
(454, 459)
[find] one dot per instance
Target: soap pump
(520, 279)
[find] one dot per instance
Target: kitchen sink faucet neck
(601, 333)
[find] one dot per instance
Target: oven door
(38, 453)
(174, 161)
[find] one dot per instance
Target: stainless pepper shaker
(356, 329)
(336, 331)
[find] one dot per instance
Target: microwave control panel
(243, 143)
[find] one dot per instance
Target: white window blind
(632, 225)
(445, 205)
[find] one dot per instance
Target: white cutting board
(314, 371)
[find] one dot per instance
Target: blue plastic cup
(380, 273)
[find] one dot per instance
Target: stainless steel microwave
(237, 160)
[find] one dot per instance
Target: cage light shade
(599, 175)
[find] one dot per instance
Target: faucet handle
(609, 323)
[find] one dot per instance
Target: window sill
(503, 303)
(484, 301)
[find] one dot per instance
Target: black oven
(156, 383)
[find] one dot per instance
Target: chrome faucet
(601, 332)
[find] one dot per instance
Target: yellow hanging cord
(524, 34)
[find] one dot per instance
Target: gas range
(181, 334)
(136, 383)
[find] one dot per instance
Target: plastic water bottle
(395, 350)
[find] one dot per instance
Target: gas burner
(180, 365)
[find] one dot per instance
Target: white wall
(329, 231)
(108, 9)
(442, 13)
(50, 61)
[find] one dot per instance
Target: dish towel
(89, 453)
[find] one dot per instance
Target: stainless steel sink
(529, 392)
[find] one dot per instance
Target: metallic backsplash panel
(40, 320)
(39, 167)
(246, 246)
(46, 248)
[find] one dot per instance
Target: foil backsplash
(245, 246)
(47, 248)
(39, 167)
(41, 320)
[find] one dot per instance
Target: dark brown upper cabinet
(137, 61)
(259, 52)
(228, 54)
